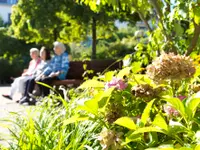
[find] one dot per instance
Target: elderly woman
(57, 69)
(19, 83)
(30, 84)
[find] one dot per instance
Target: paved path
(7, 106)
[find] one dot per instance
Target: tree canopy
(177, 22)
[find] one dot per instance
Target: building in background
(5, 9)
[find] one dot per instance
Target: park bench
(76, 70)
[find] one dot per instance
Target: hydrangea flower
(171, 67)
(117, 83)
(181, 97)
(110, 139)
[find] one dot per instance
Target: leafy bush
(14, 54)
(120, 110)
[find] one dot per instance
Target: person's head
(34, 53)
(45, 54)
(59, 48)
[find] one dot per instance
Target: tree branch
(145, 21)
(194, 40)
(157, 8)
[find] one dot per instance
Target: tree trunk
(55, 34)
(194, 39)
(157, 8)
(168, 5)
(145, 21)
(94, 38)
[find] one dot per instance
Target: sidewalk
(7, 106)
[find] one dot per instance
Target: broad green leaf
(160, 122)
(104, 98)
(176, 104)
(197, 15)
(74, 119)
(176, 127)
(132, 137)
(185, 148)
(127, 60)
(148, 129)
(92, 105)
(146, 113)
(124, 72)
(109, 75)
(126, 122)
(178, 29)
(192, 104)
(136, 67)
(91, 83)
(197, 147)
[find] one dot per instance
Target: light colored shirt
(41, 67)
(33, 67)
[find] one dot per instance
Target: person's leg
(26, 88)
(48, 80)
(13, 89)
(22, 83)
(29, 88)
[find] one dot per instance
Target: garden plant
(121, 109)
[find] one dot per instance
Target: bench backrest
(76, 69)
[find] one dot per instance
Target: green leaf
(178, 29)
(124, 72)
(109, 75)
(176, 127)
(160, 122)
(74, 119)
(126, 122)
(176, 104)
(197, 147)
(92, 83)
(192, 104)
(136, 67)
(185, 148)
(197, 15)
(104, 98)
(148, 129)
(92, 105)
(127, 60)
(146, 113)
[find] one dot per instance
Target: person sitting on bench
(30, 84)
(57, 69)
(19, 83)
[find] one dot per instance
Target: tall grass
(43, 128)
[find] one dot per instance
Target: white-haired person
(57, 68)
(19, 83)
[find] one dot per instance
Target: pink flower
(169, 110)
(181, 97)
(117, 83)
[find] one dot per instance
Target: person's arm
(62, 70)
(25, 72)
(64, 66)
(49, 69)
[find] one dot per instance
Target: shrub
(116, 110)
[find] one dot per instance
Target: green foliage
(14, 54)
(1, 22)
(118, 109)
(176, 23)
